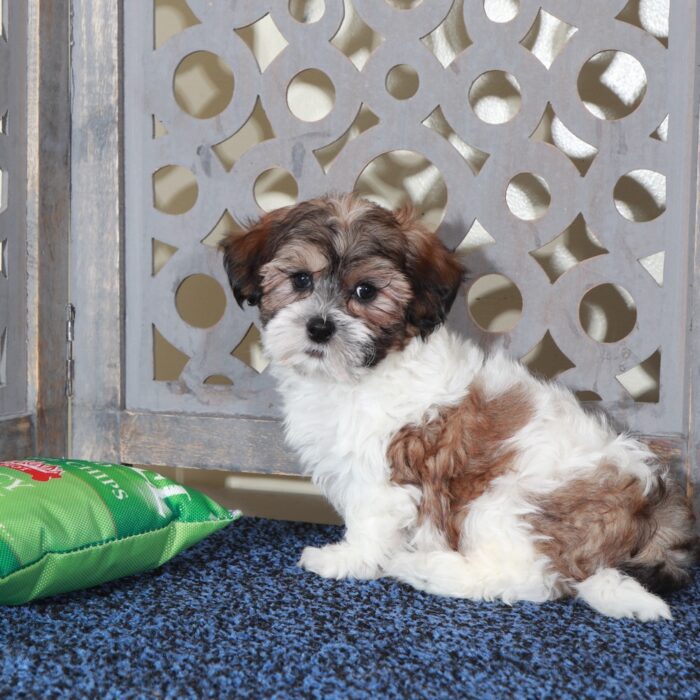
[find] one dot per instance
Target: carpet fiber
(234, 617)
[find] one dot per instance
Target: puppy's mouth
(316, 353)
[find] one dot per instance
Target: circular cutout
(218, 380)
(612, 84)
(275, 188)
(495, 303)
(404, 4)
(402, 82)
(203, 85)
(387, 178)
(495, 97)
(528, 196)
(310, 95)
(307, 11)
(607, 313)
(501, 10)
(640, 195)
(200, 301)
(175, 189)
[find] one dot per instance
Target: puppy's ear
(246, 252)
(435, 272)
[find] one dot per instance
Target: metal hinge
(70, 335)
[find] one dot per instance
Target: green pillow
(69, 524)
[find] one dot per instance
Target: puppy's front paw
(339, 560)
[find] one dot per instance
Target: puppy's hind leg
(440, 572)
(612, 593)
(449, 573)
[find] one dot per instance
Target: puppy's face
(340, 283)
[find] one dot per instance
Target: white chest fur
(341, 431)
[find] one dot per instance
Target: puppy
(455, 471)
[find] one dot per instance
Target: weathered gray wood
(13, 241)
(48, 207)
(96, 227)
(692, 367)
(682, 353)
(693, 405)
(35, 225)
(210, 442)
(17, 437)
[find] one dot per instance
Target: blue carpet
(233, 617)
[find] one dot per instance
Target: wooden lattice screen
(165, 134)
(554, 142)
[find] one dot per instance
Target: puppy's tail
(661, 563)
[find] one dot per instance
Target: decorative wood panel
(14, 435)
(546, 166)
(34, 159)
(96, 227)
(48, 219)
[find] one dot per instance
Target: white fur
(287, 344)
(342, 430)
(616, 595)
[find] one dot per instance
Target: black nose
(320, 329)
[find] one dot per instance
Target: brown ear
(435, 272)
(245, 253)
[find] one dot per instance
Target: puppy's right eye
(302, 280)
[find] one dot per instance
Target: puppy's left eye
(365, 292)
(302, 280)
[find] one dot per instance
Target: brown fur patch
(387, 309)
(674, 534)
(244, 254)
(435, 271)
(301, 255)
(454, 458)
(347, 208)
(605, 520)
(278, 290)
(592, 523)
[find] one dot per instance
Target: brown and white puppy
(455, 471)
